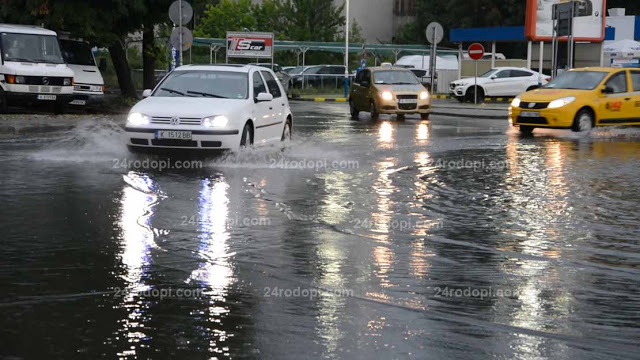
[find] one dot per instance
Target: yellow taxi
(388, 90)
(580, 99)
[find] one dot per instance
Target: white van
(88, 87)
(32, 69)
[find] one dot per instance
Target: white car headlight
(424, 95)
(66, 82)
(387, 95)
(215, 121)
(561, 102)
(516, 101)
(138, 119)
(96, 88)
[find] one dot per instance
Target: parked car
(216, 107)
(33, 70)
(388, 90)
(88, 86)
(282, 76)
(319, 76)
(503, 81)
(288, 69)
(580, 99)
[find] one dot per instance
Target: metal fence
(318, 81)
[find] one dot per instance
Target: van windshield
(77, 53)
(31, 48)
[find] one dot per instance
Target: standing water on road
(437, 239)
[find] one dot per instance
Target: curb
(479, 117)
(490, 100)
(318, 99)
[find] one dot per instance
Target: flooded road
(448, 238)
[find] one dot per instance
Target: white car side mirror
(264, 97)
(493, 77)
(146, 93)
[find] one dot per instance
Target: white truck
(88, 87)
(32, 68)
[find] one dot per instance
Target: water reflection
(136, 205)
(423, 132)
(386, 135)
(216, 270)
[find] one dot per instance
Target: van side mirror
(607, 90)
(262, 97)
(103, 65)
(146, 93)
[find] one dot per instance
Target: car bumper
(459, 91)
(560, 118)
(200, 139)
(83, 98)
(30, 98)
(393, 107)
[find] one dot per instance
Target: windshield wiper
(173, 91)
(20, 59)
(404, 83)
(206, 94)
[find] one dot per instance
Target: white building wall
(625, 26)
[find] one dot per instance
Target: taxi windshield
(395, 77)
(577, 80)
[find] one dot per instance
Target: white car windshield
(212, 84)
(31, 48)
(77, 53)
(397, 77)
(578, 80)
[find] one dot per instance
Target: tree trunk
(123, 71)
(148, 57)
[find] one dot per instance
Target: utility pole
(346, 54)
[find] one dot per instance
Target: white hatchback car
(502, 81)
(221, 107)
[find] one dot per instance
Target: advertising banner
(249, 45)
(589, 21)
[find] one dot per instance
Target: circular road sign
(435, 33)
(187, 38)
(476, 51)
(174, 12)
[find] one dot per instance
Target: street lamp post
(346, 54)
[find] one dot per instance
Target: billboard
(589, 22)
(250, 44)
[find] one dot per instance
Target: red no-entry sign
(476, 51)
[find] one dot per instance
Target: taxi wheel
(354, 111)
(247, 136)
(424, 116)
(374, 111)
(583, 121)
(526, 130)
(400, 117)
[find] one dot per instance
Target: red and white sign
(250, 44)
(476, 51)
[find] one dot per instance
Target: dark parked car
(319, 76)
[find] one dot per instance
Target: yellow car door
(616, 105)
(365, 94)
(635, 88)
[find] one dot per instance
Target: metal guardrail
(318, 81)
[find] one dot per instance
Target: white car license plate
(47, 97)
(78, 102)
(408, 101)
(529, 114)
(172, 134)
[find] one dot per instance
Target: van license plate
(172, 134)
(529, 114)
(78, 102)
(47, 97)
